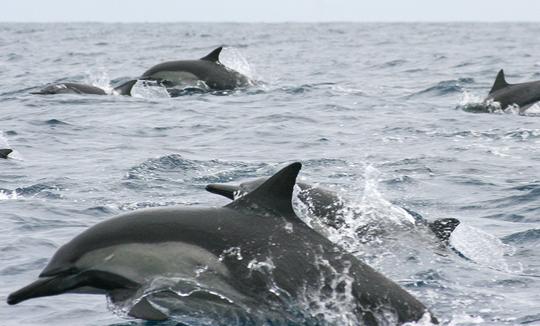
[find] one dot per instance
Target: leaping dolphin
(524, 95)
(329, 207)
(4, 152)
(190, 74)
(252, 255)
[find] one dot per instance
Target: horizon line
(271, 22)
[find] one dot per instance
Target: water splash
(476, 104)
(233, 58)
(233, 252)
(99, 78)
(8, 195)
(372, 225)
(470, 102)
(3, 140)
(149, 90)
(482, 248)
(332, 301)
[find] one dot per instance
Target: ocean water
(377, 112)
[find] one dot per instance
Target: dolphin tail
(223, 190)
(125, 88)
(444, 227)
(4, 152)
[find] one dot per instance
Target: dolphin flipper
(145, 310)
(4, 152)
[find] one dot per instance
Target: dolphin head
(65, 274)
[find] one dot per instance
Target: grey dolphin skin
(4, 152)
(524, 94)
(70, 88)
(252, 252)
(328, 206)
(208, 69)
(76, 88)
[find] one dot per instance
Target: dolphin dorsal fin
(275, 194)
(500, 82)
(5, 152)
(213, 56)
(444, 227)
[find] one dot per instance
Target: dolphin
(4, 152)
(524, 95)
(251, 255)
(329, 207)
(77, 88)
(190, 73)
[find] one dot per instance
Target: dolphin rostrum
(523, 95)
(328, 207)
(253, 255)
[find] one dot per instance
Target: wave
(174, 168)
(39, 190)
(530, 237)
(445, 87)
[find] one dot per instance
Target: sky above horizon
(269, 11)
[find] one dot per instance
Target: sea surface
(376, 112)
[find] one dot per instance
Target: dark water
(374, 111)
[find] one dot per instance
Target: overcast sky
(268, 10)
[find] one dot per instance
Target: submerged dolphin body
(328, 207)
(4, 152)
(190, 73)
(524, 95)
(77, 88)
(251, 255)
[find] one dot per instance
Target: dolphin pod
(523, 95)
(254, 252)
(207, 73)
(190, 73)
(328, 206)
